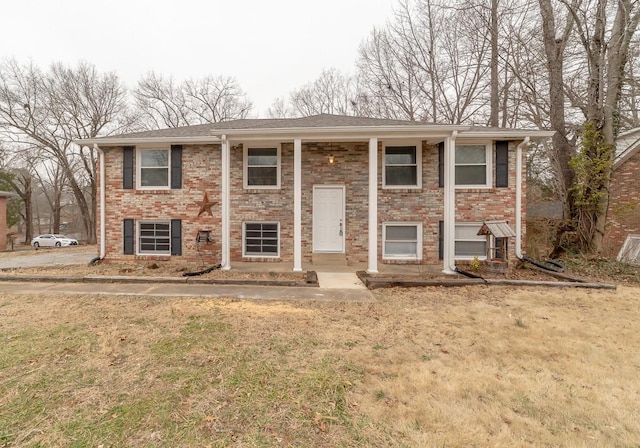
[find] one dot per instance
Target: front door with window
(328, 218)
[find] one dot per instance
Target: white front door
(328, 218)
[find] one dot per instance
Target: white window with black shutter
(261, 163)
(152, 237)
(402, 165)
(154, 168)
(473, 165)
(261, 239)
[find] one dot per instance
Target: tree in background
(52, 109)
(162, 103)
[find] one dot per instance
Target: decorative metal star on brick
(205, 205)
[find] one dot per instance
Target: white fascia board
(122, 141)
(518, 134)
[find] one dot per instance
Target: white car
(51, 240)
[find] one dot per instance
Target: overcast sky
(271, 47)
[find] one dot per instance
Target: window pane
(402, 233)
(259, 176)
(262, 156)
(154, 157)
(471, 248)
(400, 155)
(154, 237)
(471, 175)
(468, 232)
(471, 154)
(261, 239)
(401, 248)
(154, 177)
(400, 175)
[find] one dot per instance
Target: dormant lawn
(427, 367)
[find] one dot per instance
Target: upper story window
(153, 168)
(402, 166)
(262, 166)
(473, 165)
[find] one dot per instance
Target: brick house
(288, 190)
(623, 215)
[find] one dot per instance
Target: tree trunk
(564, 149)
(495, 99)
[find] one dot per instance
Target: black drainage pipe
(206, 271)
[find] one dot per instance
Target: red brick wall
(201, 172)
(623, 216)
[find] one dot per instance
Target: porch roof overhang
(322, 127)
(431, 132)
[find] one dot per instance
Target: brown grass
(433, 367)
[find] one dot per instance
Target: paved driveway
(29, 258)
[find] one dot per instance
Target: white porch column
(373, 206)
(225, 224)
(449, 204)
(297, 205)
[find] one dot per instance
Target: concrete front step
(329, 259)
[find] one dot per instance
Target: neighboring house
(623, 215)
(288, 190)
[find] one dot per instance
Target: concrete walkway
(157, 289)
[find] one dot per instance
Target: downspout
(449, 205)
(103, 232)
(519, 148)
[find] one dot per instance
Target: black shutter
(176, 237)
(441, 240)
(127, 167)
(128, 236)
(176, 166)
(441, 164)
(502, 164)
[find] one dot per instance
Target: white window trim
(489, 164)
(394, 143)
(139, 168)
(137, 236)
(470, 257)
(244, 236)
(418, 255)
(245, 165)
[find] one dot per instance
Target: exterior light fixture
(331, 159)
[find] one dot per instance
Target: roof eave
(516, 134)
(122, 141)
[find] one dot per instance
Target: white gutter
(518, 210)
(103, 232)
(449, 205)
(226, 253)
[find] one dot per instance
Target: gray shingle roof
(315, 121)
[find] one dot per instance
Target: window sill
(258, 258)
(476, 190)
(402, 260)
(150, 257)
(402, 189)
(152, 191)
(261, 190)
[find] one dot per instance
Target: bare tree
(162, 102)
(52, 109)
(331, 93)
